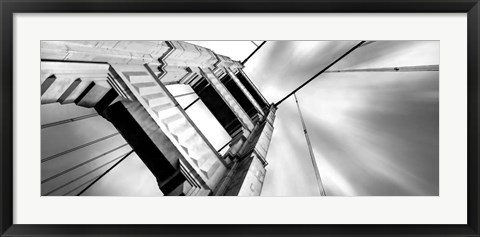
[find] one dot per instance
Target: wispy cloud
(372, 133)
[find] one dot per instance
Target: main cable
(254, 51)
(104, 173)
(322, 71)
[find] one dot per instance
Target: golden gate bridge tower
(125, 83)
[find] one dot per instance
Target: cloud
(373, 133)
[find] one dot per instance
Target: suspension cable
(419, 68)
(81, 185)
(226, 144)
(189, 93)
(81, 176)
(104, 173)
(193, 102)
(69, 120)
(322, 71)
(205, 87)
(321, 189)
(78, 147)
(249, 56)
(82, 164)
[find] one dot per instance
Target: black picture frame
(9, 7)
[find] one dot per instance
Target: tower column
(245, 91)
(124, 81)
(248, 172)
(228, 98)
(161, 116)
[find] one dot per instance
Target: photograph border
(9, 7)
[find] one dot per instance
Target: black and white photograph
(147, 118)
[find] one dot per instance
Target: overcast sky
(372, 133)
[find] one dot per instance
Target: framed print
(242, 118)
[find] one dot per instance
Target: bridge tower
(125, 82)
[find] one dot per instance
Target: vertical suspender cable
(314, 162)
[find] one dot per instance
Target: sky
(372, 133)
